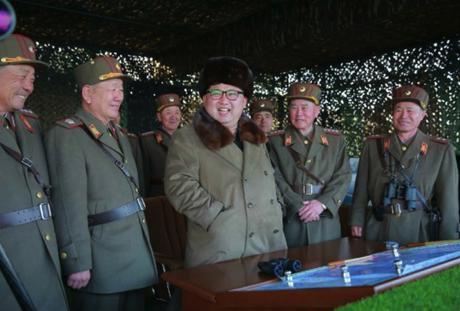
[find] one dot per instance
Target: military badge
(92, 128)
(26, 123)
(324, 140)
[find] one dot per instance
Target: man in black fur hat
(218, 173)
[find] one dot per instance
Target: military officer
(218, 173)
(155, 144)
(26, 226)
(262, 111)
(314, 171)
(102, 233)
(410, 179)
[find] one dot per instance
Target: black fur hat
(228, 70)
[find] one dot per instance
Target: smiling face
(407, 117)
(302, 114)
(16, 84)
(170, 118)
(225, 111)
(103, 100)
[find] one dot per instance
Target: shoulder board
(69, 123)
(375, 137)
(439, 140)
(131, 134)
(148, 133)
(332, 132)
(276, 133)
(28, 113)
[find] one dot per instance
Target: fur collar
(216, 136)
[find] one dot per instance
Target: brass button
(137, 190)
(245, 180)
(250, 205)
(309, 161)
(272, 201)
(403, 166)
(251, 234)
(404, 148)
(126, 161)
(47, 237)
(265, 173)
(63, 255)
(39, 194)
(276, 231)
(305, 142)
(339, 201)
(143, 220)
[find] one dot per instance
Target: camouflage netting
(355, 94)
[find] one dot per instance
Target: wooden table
(211, 287)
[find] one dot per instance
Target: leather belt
(308, 189)
(40, 212)
(117, 213)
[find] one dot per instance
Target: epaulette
(276, 133)
(148, 133)
(69, 123)
(332, 132)
(131, 134)
(439, 140)
(28, 113)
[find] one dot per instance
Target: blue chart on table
(372, 270)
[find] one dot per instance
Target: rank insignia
(288, 140)
(158, 138)
(92, 128)
(324, 140)
(26, 123)
(386, 144)
(424, 148)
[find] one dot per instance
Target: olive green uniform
(155, 146)
(86, 182)
(436, 178)
(31, 247)
(311, 170)
(137, 153)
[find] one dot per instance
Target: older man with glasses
(218, 173)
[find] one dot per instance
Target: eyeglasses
(230, 94)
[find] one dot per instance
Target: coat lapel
(233, 155)
(8, 140)
(316, 144)
(295, 143)
(23, 136)
(395, 147)
(98, 131)
(414, 148)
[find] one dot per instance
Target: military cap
(98, 69)
(18, 50)
(308, 91)
(167, 100)
(262, 105)
(411, 93)
(228, 70)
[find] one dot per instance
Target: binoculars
(402, 191)
(277, 267)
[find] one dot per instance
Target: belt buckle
(396, 209)
(141, 203)
(45, 211)
(308, 189)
